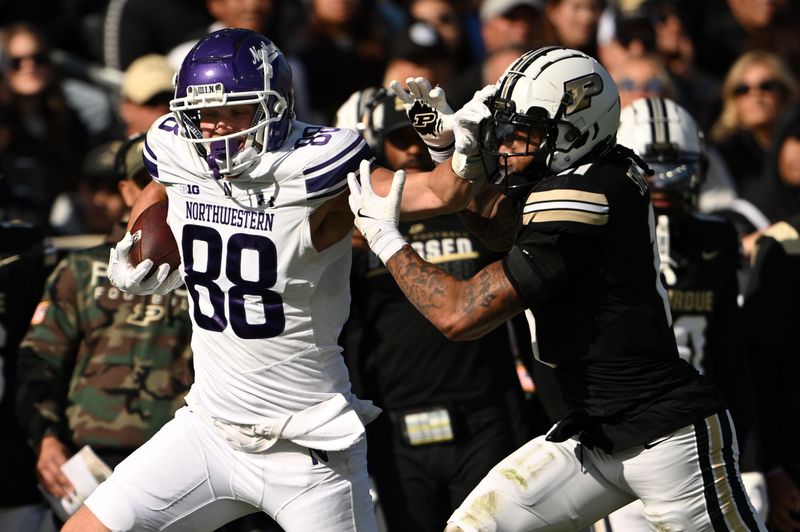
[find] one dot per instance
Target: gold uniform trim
(567, 215)
(567, 194)
(723, 488)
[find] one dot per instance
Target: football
(152, 238)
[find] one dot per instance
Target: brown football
(152, 238)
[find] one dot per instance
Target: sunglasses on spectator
(769, 85)
(651, 85)
(39, 58)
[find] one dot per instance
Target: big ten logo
(189, 189)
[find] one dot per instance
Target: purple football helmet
(234, 67)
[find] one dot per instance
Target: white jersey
(267, 307)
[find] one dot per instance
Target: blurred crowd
(79, 77)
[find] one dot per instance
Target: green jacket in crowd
(99, 366)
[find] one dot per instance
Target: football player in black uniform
(699, 259)
(584, 267)
(446, 419)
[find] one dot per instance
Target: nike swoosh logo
(362, 215)
(708, 255)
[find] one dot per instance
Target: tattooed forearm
(423, 283)
(461, 308)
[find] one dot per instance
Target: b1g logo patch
(582, 89)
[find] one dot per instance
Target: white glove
(376, 216)
(430, 115)
(466, 161)
(128, 278)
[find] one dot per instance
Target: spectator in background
(133, 29)
(446, 418)
(24, 266)
(255, 15)
(622, 34)
(496, 62)
(96, 205)
(504, 23)
(418, 51)
(340, 48)
(697, 91)
(722, 30)
(145, 93)
(773, 334)
(573, 23)
(642, 77)
(447, 19)
(782, 169)
(758, 88)
(100, 367)
(46, 137)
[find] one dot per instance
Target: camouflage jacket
(99, 366)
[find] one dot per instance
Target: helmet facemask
(676, 177)
(540, 134)
(231, 154)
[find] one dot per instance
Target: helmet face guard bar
(506, 124)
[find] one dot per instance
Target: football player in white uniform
(584, 267)
(258, 207)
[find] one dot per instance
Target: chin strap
(663, 239)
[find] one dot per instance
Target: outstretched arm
(461, 309)
(427, 194)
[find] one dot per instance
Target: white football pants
(188, 478)
(688, 480)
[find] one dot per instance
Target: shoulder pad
(328, 154)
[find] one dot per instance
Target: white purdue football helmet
(562, 96)
(667, 138)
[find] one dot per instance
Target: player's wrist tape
(467, 167)
(386, 242)
(439, 154)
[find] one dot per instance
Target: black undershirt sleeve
(536, 269)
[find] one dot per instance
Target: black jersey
(585, 264)
(404, 361)
(699, 263)
(772, 318)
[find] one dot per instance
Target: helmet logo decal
(581, 91)
(263, 52)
